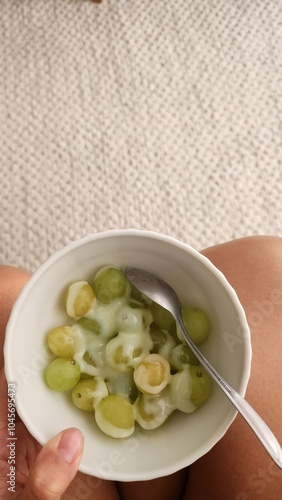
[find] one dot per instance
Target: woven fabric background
(152, 114)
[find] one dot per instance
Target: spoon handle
(264, 434)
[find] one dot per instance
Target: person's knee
(253, 257)
(12, 272)
(12, 280)
(249, 245)
(259, 247)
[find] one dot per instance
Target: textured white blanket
(153, 114)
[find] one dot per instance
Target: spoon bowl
(161, 292)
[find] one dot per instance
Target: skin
(237, 468)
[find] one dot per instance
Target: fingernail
(70, 444)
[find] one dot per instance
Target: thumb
(54, 467)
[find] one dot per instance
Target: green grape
(115, 416)
(201, 385)
(120, 358)
(62, 374)
(152, 374)
(137, 296)
(109, 284)
(125, 351)
(122, 384)
(129, 319)
(196, 323)
(163, 342)
(152, 410)
(88, 393)
(180, 355)
(83, 301)
(82, 394)
(89, 324)
(161, 316)
(190, 388)
(158, 337)
(180, 389)
(145, 411)
(60, 341)
(79, 299)
(65, 341)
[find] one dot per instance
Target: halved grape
(79, 299)
(106, 317)
(122, 384)
(151, 411)
(62, 374)
(122, 356)
(93, 359)
(82, 394)
(180, 390)
(190, 388)
(109, 284)
(158, 337)
(202, 385)
(180, 355)
(126, 350)
(152, 374)
(130, 319)
(197, 324)
(163, 342)
(65, 341)
(161, 316)
(115, 416)
(88, 393)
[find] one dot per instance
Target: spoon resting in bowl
(163, 294)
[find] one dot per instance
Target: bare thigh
(238, 468)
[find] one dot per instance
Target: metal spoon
(162, 293)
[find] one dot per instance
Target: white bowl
(183, 438)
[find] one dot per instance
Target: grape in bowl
(183, 438)
(122, 356)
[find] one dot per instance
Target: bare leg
(238, 468)
(166, 488)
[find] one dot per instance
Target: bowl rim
(92, 237)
